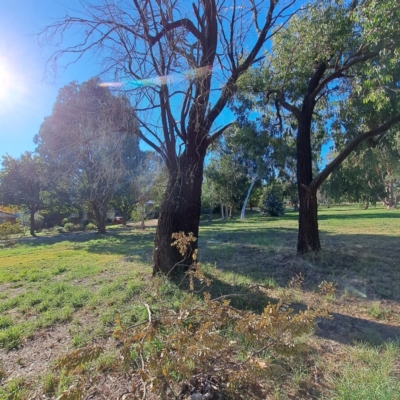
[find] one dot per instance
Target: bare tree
(181, 62)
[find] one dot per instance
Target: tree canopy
(332, 74)
(24, 183)
(90, 140)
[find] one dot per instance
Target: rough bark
(32, 222)
(100, 213)
(179, 212)
(308, 237)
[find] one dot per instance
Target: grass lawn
(65, 292)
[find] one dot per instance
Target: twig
(148, 311)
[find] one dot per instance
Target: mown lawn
(65, 292)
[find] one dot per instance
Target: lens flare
(161, 80)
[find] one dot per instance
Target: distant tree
(370, 174)
(228, 177)
(271, 202)
(23, 183)
(252, 148)
(209, 196)
(149, 181)
(124, 199)
(84, 141)
(255, 196)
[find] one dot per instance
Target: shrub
(64, 221)
(271, 202)
(70, 227)
(89, 221)
(8, 228)
(90, 226)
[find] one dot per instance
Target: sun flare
(6, 79)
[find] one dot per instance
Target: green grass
(47, 283)
(368, 375)
(85, 281)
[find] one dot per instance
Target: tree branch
(182, 23)
(382, 129)
(215, 136)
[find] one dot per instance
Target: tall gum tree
(332, 69)
(181, 61)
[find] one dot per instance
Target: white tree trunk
(242, 214)
(222, 211)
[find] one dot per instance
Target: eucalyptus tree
(228, 177)
(371, 173)
(332, 71)
(84, 143)
(254, 149)
(23, 183)
(181, 61)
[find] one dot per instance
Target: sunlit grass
(368, 374)
(85, 281)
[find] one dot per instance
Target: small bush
(90, 227)
(89, 221)
(64, 221)
(8, 228)
(70, 227)
(272, 203)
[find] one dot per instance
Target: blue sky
(25, 97)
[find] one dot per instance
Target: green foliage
(15, 389)
(8, 229)
(70, 227)
(83, 143)
(379, 311)
(90, 226)
(64, 221)
(271, 202)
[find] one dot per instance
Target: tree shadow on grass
(349, 330)
(355, 217)
(365, 264)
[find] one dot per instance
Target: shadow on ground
(348, 330)
(365, 265)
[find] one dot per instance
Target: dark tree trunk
(308, 238)
(100, 214)
(124, 217)
(179, 212)
(32, 223)
(295, 204)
